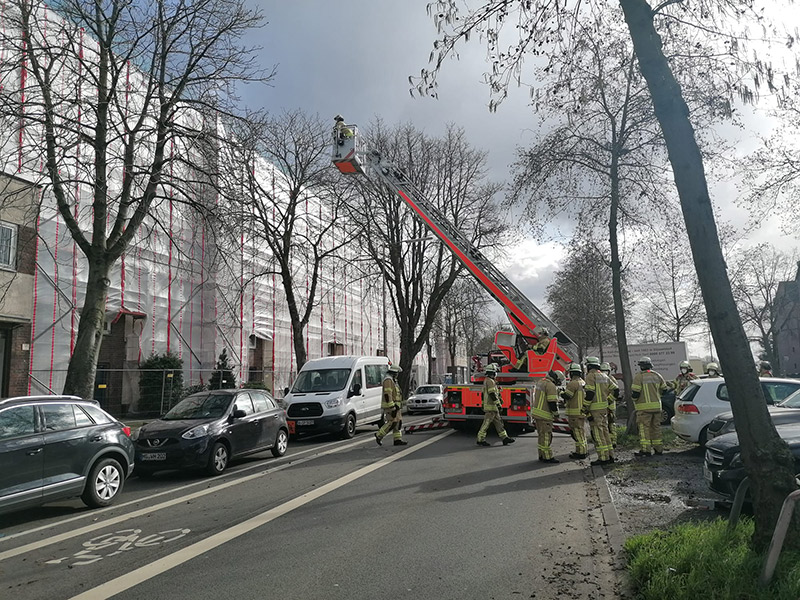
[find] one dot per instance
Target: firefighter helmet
(765, 365)
(575, 368)
(712, 366)
(646, 363)
(556, 376)
(491, 368)
(393, 369)
(685, 365)
(543, 331)
(604, 366)
(592, 360)
(338, 118)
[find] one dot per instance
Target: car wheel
(666, 416)
(218, 460)
(281, 444)
(349, 429)
(702, 438)
(104, 483)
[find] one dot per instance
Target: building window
(8, 246)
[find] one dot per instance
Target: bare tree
(281, 178)
(116, 96)
(419, 272)
(581, 298)
(544, 28)
(755, 277)
(461, 317)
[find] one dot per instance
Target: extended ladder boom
(524, 315)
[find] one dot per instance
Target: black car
(667, 406)
(723, 467)
(56, 447)
(207, 429)
(783, 413)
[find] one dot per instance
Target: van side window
(357, 380)
(375, 374)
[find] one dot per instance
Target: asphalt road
(439, 518)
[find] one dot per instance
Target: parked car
(784, 413)
(208, 429)
(705, 398)
(426, 397)
(56, 447)
(723, 467)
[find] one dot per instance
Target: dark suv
(55, 447)
(207, 429)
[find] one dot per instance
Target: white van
(336, 393)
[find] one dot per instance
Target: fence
(149, 392)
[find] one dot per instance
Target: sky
(354, 57)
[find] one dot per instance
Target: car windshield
(429, 389)
(792, 401)
(200, 407)
(321, 380)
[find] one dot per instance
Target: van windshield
(321, 380)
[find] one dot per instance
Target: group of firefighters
(587, 398)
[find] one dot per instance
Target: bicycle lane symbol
(118, 542)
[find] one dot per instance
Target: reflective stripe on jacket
(575, 397)
(491, 395)
(545, 391)
(599, 383)
(650, 386)
(391, 395)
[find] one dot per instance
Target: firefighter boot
(484, 443)
(400, 443)
(508, 440)
(576, 456)
(378, 439)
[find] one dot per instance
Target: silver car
(425, 398)
(786, 412)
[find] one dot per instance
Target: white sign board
(666, 357)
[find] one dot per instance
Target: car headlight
(135, 434)
(333, 402)
(728, 427)
(736, 461)
(196, 432)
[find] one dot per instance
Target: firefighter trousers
(612, 427)
(489, 417)
(649, 424)
(578, 427)
(602, 441)
(544, 427)
(392, 421)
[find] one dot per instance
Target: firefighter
(648, 385)
(391, 403)
(522, 363)
(682, 380)
(712, 369)
(598, 386)
(340, 130)
(765, 369)
(491, 409)
(613, 396)
(544, 410)
(573, 396)
(543, 342)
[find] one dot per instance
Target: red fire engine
(463, 403)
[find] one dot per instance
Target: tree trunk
(767, 459)
(616, 292)
(83, 363)
(298, 337)
(430, 361)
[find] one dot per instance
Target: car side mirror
(285, 392)
(238, 414)
(355, 390)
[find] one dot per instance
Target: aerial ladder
(463, 403)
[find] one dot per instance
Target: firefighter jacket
(649, 385)
(682, 382)
(545, 399)
(599, 384)
(542, 344)
(574, 396)
(491, 395)
(613, 393)
(391, 396)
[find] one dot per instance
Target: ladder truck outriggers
(463, 403)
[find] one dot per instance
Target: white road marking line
(137, 576)
(94, 513)
(151, 509)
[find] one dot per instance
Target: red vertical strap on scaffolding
(322, 306)
(171, 241)
(241, 305)
(125, 175)
(35, 295)
(23, 77)
(153, 289)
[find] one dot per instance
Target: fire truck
(463, 403)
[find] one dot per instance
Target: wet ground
(659, 491)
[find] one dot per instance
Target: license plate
(154, 456)
(303, 422)
(709, 476)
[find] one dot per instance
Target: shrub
(222, 378)
(160, 382)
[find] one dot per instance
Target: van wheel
(104, 483)
(349, 429)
